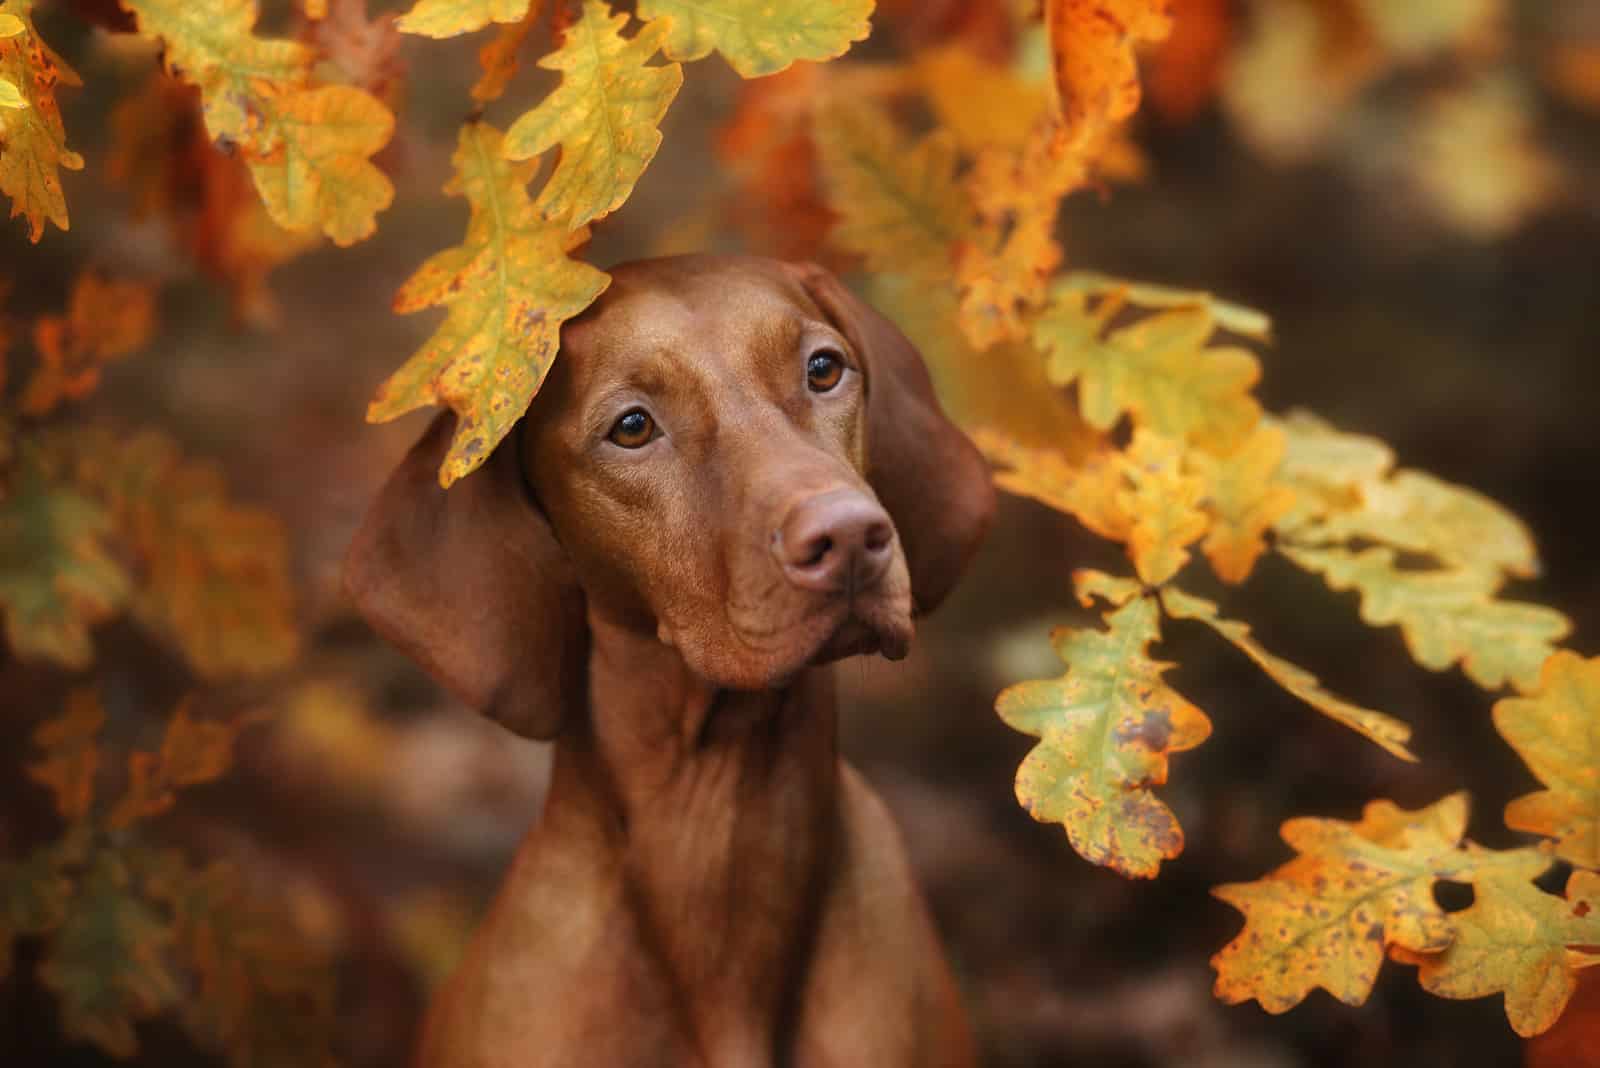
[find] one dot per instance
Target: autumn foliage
(930, 161)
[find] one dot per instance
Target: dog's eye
(823, 370)
(633, 430)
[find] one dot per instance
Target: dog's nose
(835, 541)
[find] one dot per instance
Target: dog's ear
(931, 478)
(471, 584)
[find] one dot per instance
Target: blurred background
(1410, 190)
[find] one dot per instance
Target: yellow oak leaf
(1518, 940)
(192, 752)
(1160, 369)
(70, 756)
(1354, 892)
(33, 142)
(1105, 731)
(760, 37)
(1243, 499)
(1003, 270)
(1092, 46)
(450, 18)
(56, 577)
(1556, 730)
(1234, 318)
(105, 321)
(1089, 488)
(982, 103)
(498, 58)
(107, 963)
(508, 287)
(1446, 616)
(1163, 503)
(899, 204)
(210, 575)
(1004, 387)
(605, 115)
(308, 147)
(1385, 731)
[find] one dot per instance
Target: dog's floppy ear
(471, 584)
(931, 478)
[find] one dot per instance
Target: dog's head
(733, 454)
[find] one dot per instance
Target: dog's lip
(863, 626)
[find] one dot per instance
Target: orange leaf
(498, 58)
(1091, 52)
(105, 321)
(71, 756)
(192, 752)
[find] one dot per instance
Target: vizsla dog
(735, 473)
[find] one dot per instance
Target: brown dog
(691, 519)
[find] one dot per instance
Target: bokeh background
(1421, 219)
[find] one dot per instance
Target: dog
(735, 473)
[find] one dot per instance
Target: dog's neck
(723, 808)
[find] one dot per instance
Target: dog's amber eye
(633, 430)
(823, 370)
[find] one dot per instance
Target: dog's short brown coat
(710, 884)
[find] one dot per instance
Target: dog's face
(700, 451)
(733, 454)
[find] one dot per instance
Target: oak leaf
(1446, 616)
(982, 103)
(107, 961)
(1089, 488)
(1382, 730)
(34, 893)
(508, 286)
(1161, 370)
(210, 575)
(105, 321)
(605, 115)
(900, 206)
(192, 752)
(308, 147)
(1518, 940)
(498, 58)
(33, 142)
(760, 37)
(1354, 892)
(1243, 499)
(449, 18)
(1234, 318)
(1556, 730)
(70, 755)
(56, 576)
(1163, 503)
(1092, 46)
(1105, 730)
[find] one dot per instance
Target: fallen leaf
(1556, 731)
(760, 37)
(1105, 730)
(509, 286)
(605, 115)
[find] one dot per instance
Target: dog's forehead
(709, 311)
